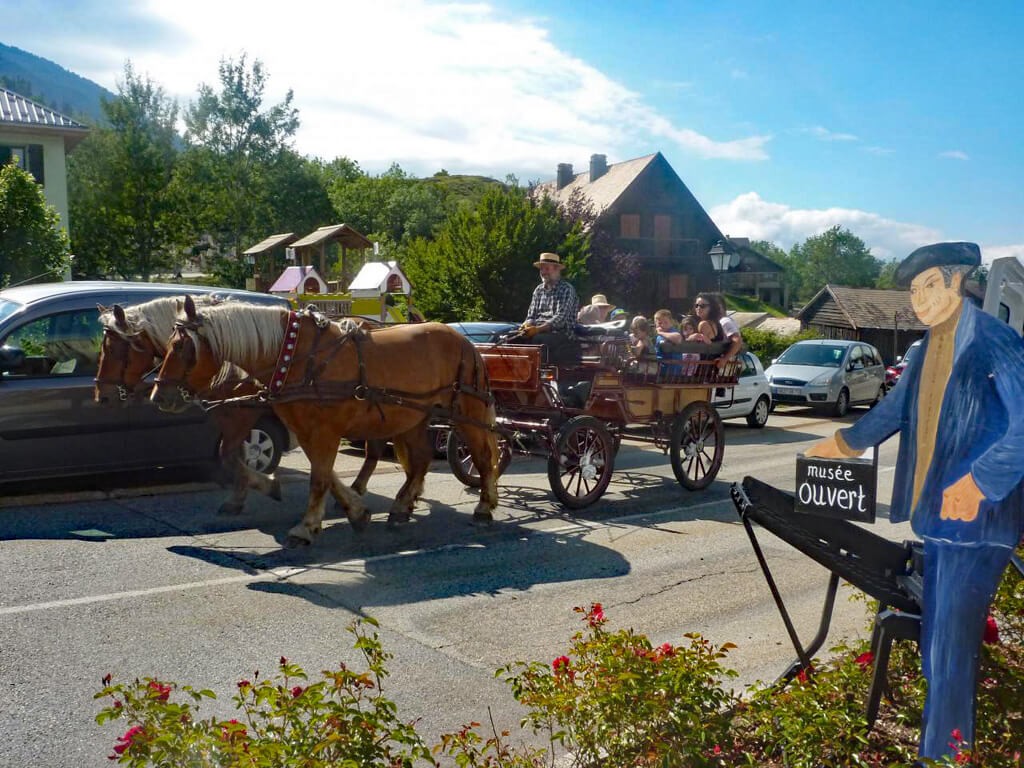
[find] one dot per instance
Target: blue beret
(937, 255)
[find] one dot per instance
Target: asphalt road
(132, 582)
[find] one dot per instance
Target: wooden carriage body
(577, 416)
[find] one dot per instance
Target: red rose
(560, 664)
(991, 630)
(159, 691)
(865, 660)
(125, 741)
(596, 615)
(297, 691)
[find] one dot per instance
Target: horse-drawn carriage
(577, 416)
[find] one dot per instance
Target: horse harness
(322, 352)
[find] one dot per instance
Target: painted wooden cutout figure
(957, 408)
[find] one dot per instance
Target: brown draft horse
(135, 339)
(333, 380)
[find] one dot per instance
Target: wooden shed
(882, 318)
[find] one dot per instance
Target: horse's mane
(243, 331)
(156, 318)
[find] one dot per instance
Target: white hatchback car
(752, 397)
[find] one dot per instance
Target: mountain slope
(50, 84)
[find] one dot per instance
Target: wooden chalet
(647, 210)
(882, 318)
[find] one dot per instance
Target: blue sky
(897, 120)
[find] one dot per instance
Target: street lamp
(722, 258)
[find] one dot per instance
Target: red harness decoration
(287, 353)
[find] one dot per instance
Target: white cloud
(820, 132)
(878, 151)
(954, 154)
(748, 215)
(990, 253)
(454, 85)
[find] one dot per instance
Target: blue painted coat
(981, 431)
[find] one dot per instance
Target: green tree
(887, 276)
(790, 264)
(393, 207)
(223, 183)
(118, 180)
(835, 256)
(32, 241)
(480, 266)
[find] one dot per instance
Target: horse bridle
(184, 329)
(121, 356)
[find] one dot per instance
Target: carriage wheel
(696, 445)
(581, 466)
(461, 462)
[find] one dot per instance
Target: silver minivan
(830, 374)
(51, 426)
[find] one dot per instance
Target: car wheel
(842, 403)
(267, 442)
(758, 417)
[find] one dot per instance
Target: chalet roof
(293, 279)
(273, 241)
(608, 188)
(866, 307)
(342, 233)
(751, 260)
(24, 115)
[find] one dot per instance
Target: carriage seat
(617, 328)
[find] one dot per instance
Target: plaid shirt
(557, 306)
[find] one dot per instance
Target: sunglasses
(698, 305)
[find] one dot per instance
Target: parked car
(829, 374)
(50, 425)
(894, 371)
(484, 332)
(751, 398)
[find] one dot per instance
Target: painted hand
(961, 500)
(828, 449)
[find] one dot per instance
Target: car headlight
(822, 381)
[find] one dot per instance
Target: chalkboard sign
(837, 488)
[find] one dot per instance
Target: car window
(824, 355)
(8, 308)
(871, 356)
(63, 344)
(748, 368)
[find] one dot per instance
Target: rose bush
(612, 700)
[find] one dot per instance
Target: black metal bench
(887, 571)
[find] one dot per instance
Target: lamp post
(722, 258)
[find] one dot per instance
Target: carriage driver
(551, 318)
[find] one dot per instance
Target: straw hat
(599, 300)
(549, 258)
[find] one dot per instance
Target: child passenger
(668, 335)
(640, 337)
(689, 332)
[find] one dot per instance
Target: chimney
(565, 175)
(598, 167)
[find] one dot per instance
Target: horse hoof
(483, 519)
(361, 524)
(230, 509)
(396, 520)
(275, 490)
(295, 542)
(359, 490)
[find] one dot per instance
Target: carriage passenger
(551, 319)
(716, 325)
(688, 329)
(667, 336)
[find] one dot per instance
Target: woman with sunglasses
(716, 325)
